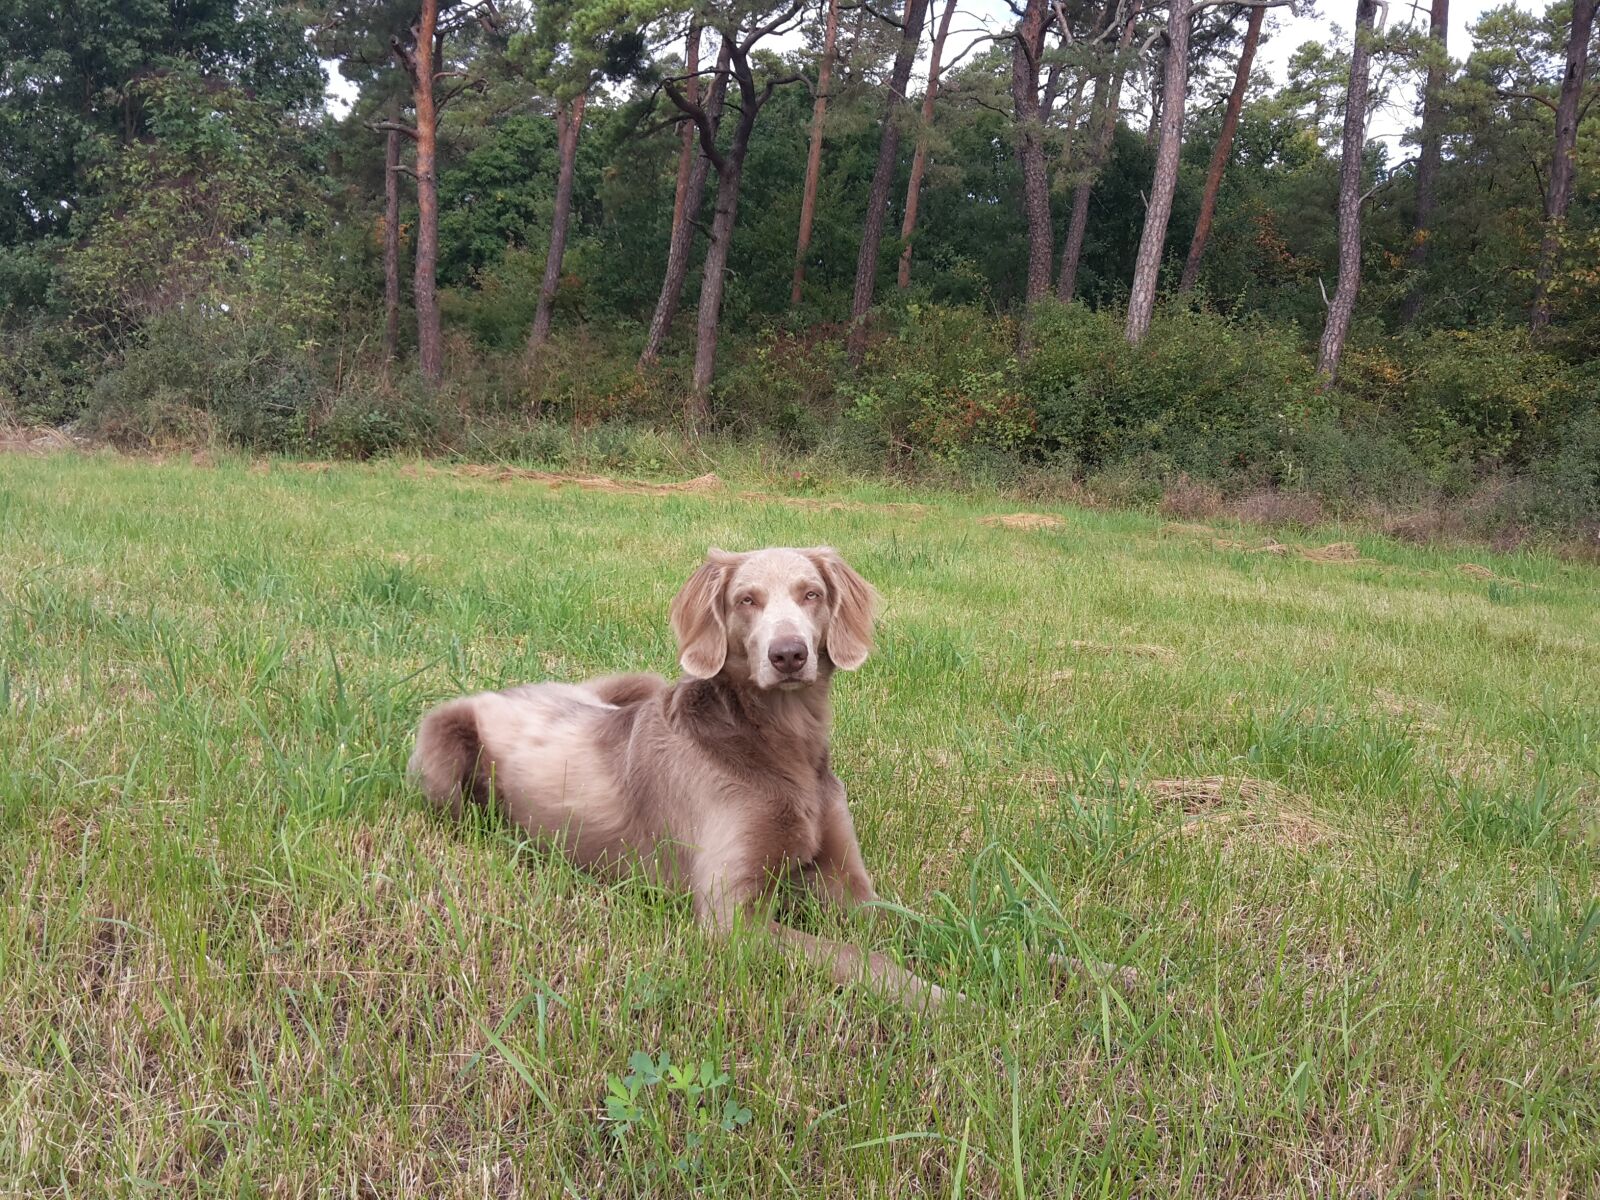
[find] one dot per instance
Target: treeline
(1092, 239)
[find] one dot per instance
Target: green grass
(239, 957)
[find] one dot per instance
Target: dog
(719, 783)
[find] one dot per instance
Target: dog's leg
(839, 874)
(727, 887)
(848, 964)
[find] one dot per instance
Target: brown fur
(719, 783)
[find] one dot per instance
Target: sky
(1328, 21)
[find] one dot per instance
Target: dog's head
(767, 617)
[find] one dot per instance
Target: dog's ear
(852, 605)
(698, 621)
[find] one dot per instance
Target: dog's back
(537, 752)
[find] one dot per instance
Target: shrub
(945, 387)
(253, 384)
(1200, 394)
(1480, 393)
(372, 416)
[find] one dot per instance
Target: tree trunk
(729, 172)
(1219, 157)
(882, 177)
(683, 231)
(391, 246)
(1174, 91)
(819, 113)
(1107, 101)
(425, 294)
(1026, 47)
(1343, 305)
(919, 160)
(1428, 159)
(1558, 197)
(686, 129)
(569, 121)
(712, 279)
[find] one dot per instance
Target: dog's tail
(448, 761)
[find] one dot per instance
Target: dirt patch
(1419, 713)
(1136, 649)
(1023, 521)
(815, 504)
(1206, 793)
(1333, 552)
(1266, 821)
(1184, 529)
(1265, 547)
(590, 483)
(701, 485)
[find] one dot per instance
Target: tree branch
(761, 31)
(1504, 95)
(392, 127)
(884, 17)
(1386, 181)
(697, 114)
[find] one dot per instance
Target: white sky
(1329, 22)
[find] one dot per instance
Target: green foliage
(1209, 396)
(673, 1108)
(1558, 942)
(1477, 393)
(77, 87)
(178, 210)
(946, 386)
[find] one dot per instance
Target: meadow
(1320, 814)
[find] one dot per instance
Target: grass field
(1340, 817)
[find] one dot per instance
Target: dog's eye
(747, 599)
(813, 595)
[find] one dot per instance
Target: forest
(1083, 247)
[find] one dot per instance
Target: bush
(945, 387)
(43, 374)
(370, 417)
(1200, 394)
(244, 380)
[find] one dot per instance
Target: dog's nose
(787, 655)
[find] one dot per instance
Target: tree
(391, 244)
(1342, 307)
(687, 217)
(1558, 193)
(1224, 149)
(1429, 155)
(1027, 49)
(688, 136)
(882, 177)
(362, 32)
(569, 121)
(819, 113)
(1175, 86)
(72, 90)
(729, 165)
(919, 160)
(1103, 109)
(574, 45)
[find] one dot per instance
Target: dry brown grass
(1023, 521)
(1137, 649)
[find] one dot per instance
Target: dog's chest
(793, 820)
